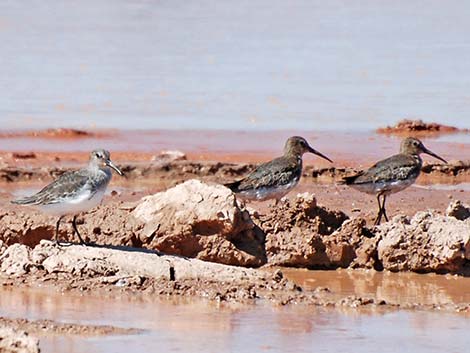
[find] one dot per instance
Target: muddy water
(238, 64)
(184, 325)
(345, 148)
(400, 288)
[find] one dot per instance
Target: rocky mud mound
(86, 268)
(427, 242)
(44, 326)
(59, 133)
(418, 128)
(204, 221)
(200, 220)
(17, 341)
(300, 233)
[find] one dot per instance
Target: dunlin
(76, 191)
(274, 179)
(392, 174)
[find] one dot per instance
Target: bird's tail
(30, 200)
(233, 186)
(348, 180)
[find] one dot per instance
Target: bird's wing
(68, 185)
(279, 171)
(395, 168)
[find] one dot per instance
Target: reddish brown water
(190, 325)
(345, 148)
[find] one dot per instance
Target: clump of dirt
(200, 220)
(23, 155)
(419, 128)
(59, 133)
(353, 245)
(17, 341)
(295, 229)
(301, 212)
(41, 327)
(25, 228)
(458, 210)
(426, 242)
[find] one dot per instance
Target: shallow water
(401, 288)
(187, 324)
(354, 148)
(446, 187)
(267, 65)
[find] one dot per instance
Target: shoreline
(349, 149)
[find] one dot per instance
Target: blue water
(301, 64)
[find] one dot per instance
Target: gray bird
(392, 174)
(274, 179)
(76, 191)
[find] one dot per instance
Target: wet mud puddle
(187, 324)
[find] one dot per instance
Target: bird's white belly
(70, 206)
(385, 188)
(266, 193)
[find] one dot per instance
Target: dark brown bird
(392, 174)
(274, 179)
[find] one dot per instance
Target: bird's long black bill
(113, 166)
(434, 155)
(319, 154)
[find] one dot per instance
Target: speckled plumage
(76, 191)
(274, 179)
(269, 180)
(392, 174)
(388, 176)
(70, 186)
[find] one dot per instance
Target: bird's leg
(383, 208)
(241, 203)
(379, 215)
(74, 225)
(57, 230)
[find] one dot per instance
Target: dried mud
(169, 173)
(50, 327)
(407, 127)
(59, 133)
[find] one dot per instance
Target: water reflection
(178, 324)
(401, 288)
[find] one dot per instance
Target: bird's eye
(416, 143)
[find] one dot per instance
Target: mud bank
(169, 172)
(108, 272)
(407, 127)
(204, 221)
(59, 133)
(50, 327)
